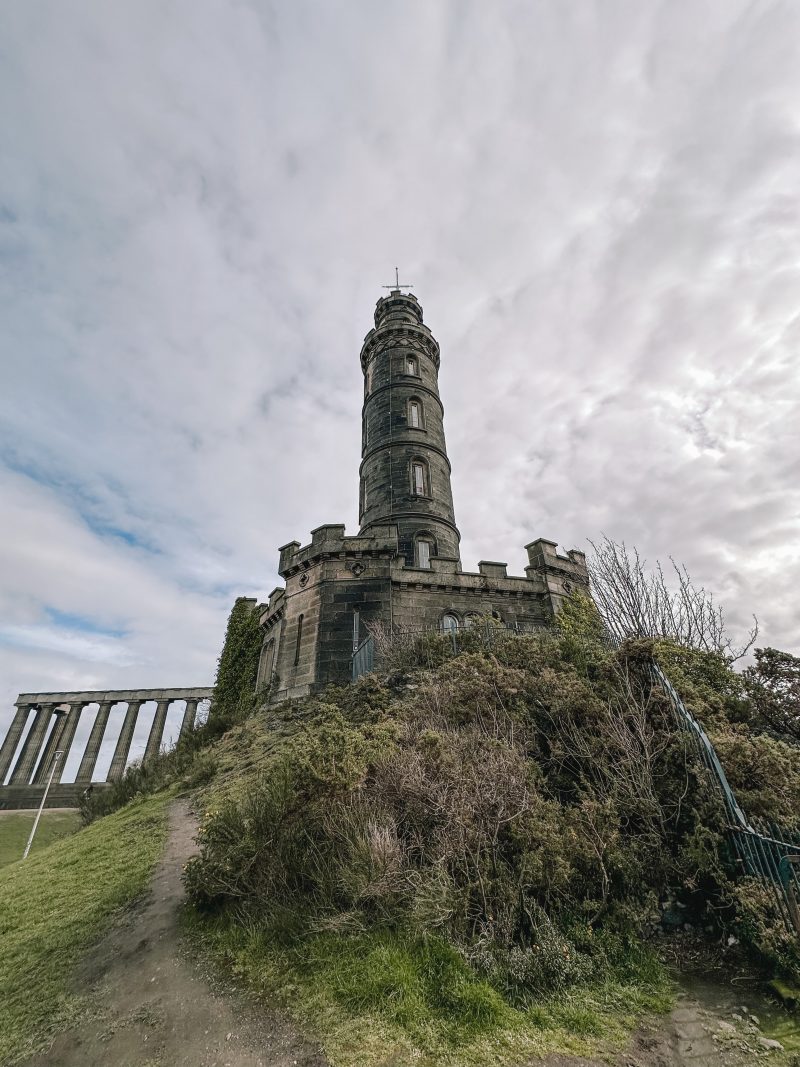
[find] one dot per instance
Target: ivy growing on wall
(237, 668)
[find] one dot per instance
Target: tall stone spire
(405, 472)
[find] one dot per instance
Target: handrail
(772, 856)
(768, 856)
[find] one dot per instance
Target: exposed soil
(711, 1025)
(154, 1007)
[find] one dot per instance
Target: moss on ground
(15, 826)
(382, 997)
(55, 904)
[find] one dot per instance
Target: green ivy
(237, 667)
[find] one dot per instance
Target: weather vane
(396, 286)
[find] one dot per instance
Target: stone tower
(405, 472)
(403, 569)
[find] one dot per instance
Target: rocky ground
(155, 1009)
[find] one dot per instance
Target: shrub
(526, 801)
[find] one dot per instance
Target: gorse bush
(528, 803)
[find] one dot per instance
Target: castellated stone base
(337, 585)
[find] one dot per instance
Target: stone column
(120, 758)
(53, 744)
(156, 731)
(21, 774)
(68, 736)
(86, 769)
(12, 739)
(188, 717)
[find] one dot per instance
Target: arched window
(267, 656)
(415, 413)
(471, 620)
(411, 365)
(420, 478)
(423, 550)
(449, 622)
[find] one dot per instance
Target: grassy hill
(473, 859)
(56, 903)
(15, 828)
(467, 859)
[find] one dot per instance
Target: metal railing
(363, 660)
(428, 647)
(762, 849)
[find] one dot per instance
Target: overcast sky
(597, 204)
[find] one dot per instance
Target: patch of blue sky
(75, 644)
(66, 620)
(210, 588)
(110, 530)
(85, 503)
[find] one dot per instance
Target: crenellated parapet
(338, 587)
(561, 573)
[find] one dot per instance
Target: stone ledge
(23, 797)
(117, 695)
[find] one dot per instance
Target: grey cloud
(596, 205)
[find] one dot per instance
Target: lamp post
(57, 756)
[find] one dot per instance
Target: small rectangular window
(419, 479)
(413, 411)
(424, 555)
(299, 640)
(411, 365)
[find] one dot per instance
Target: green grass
(15, 826)
(377, 998)
(55, 904)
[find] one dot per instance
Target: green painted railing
(762, 849)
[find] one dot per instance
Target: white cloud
(596, 204)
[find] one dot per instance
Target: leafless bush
(637, 602)
(397, 649)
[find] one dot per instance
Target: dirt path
(711, 1025)
(154, 1008)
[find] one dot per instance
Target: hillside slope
(476, 858)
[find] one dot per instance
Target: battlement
(330, 540)
(562, 570)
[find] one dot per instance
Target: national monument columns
(28, 751)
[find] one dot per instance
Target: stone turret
(403, 570)
(405, 471)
